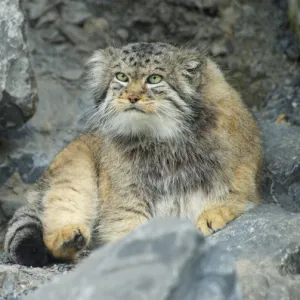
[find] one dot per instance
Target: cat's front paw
(67, 242)
(215, 219)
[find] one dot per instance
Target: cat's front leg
(243, 194)
(120, 216)
(70, 204)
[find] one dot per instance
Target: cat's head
(145, 89)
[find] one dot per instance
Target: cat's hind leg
(24, 242)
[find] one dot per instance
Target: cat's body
(171, 138)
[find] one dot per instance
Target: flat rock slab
(18, 97)
(266, 245)
(164, 259)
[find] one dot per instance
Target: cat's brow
(160, 69)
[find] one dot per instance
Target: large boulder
(18, 97)
(164, 259)
(265, 243)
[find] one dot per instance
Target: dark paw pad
(77, 242)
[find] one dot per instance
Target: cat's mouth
(134, 109)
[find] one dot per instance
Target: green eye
(122, 77)
(154, 78)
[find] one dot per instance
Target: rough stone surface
(16, 280)
(283, 104)
(265, 243)
(282, 165)
(164, 259)
(18, 98)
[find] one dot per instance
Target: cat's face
(145, 90)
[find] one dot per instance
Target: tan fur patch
(216, 218)
(68, 241)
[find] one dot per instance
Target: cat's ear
(99, 61)
(191, 62)
(97, 71)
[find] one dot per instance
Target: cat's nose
(133, 98)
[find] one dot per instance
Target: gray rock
(75, 12)
(265, 243)
(284, 101)
(8, 209)
(26, 152)
(36, 8)
(18, 97)
(101, 2)
(164, 259)
(18, 280)
(200, 4)
(282, 165)
(32, 147)
(73, 33)
(9, 282)
(220, 48)
(123, 33)
(47, 19)
(72, 74)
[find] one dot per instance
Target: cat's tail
(24, 242)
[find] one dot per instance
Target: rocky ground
(260, 55)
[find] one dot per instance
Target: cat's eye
(154, 78)
(122, 77)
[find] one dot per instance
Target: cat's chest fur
(173, 179)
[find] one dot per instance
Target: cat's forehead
(145, 55)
